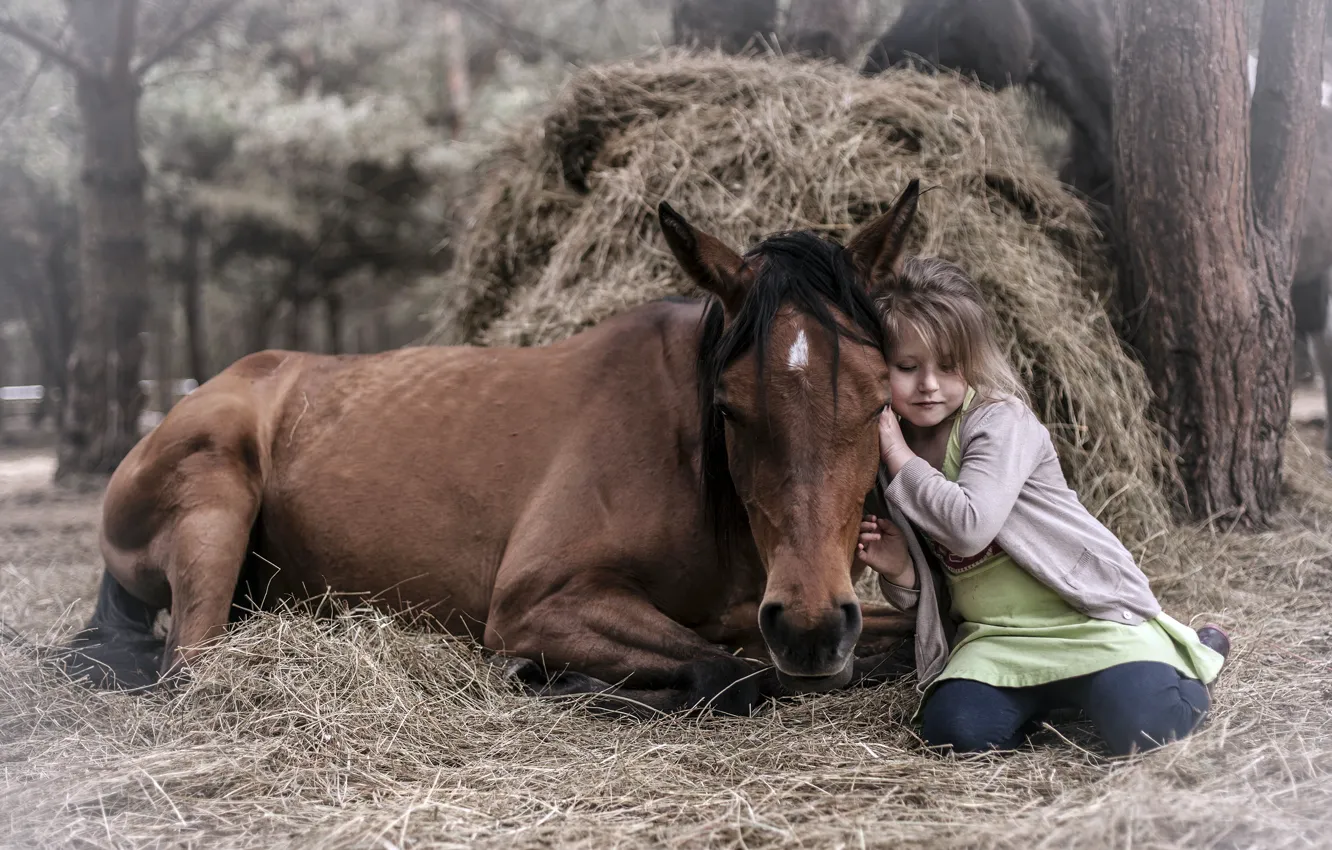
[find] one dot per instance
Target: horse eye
(723, 411)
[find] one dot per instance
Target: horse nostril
(851, 614)
(769, 617)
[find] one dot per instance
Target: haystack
(563, 231)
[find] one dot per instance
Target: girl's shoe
(1214, 637)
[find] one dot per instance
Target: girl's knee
(968, 719)
(1154, 719)
(962, 736)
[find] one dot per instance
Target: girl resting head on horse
(1044, 607)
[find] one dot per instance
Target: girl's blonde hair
(938, 300)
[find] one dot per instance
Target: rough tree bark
(823, 29)
(102, 398)
(727, 24)
(1209, 237)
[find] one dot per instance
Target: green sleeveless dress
(1015, 632)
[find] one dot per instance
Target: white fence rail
(35, 392)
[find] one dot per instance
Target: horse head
(792, 378)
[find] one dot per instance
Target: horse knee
(724, 684)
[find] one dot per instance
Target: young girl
(1049, 608)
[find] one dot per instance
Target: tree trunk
(1206, 261)
(333, 316)
(383, 330)
(258, 323)
(730, 25)
(5, 371)
(1283, 134)
(458, 87)
(63, 309)
(37, 297)
(162, 358)
(103, 399)
(823, 29)
(191, 280)
(296, 316)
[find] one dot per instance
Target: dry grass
(361, 732)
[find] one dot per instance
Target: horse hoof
(523, 672)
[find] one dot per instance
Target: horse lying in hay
(634, 505)
(1063, 48)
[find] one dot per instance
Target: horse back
(407, 475)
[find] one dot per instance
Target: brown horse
(641, 504)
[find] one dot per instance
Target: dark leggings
(1136, 706)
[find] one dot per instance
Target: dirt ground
(49, 563)
(361, 735)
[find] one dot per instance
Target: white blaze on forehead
(798, 356)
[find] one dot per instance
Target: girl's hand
(893, 447)
(882, 547)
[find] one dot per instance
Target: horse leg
(617, 645)
(885, 651)
(117, 648)
(205, 550)
(887, 666)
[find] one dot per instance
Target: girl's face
(926, 391)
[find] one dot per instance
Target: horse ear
(706, 259)
(877, 248)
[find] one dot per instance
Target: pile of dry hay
(564, 230)
(360, 732)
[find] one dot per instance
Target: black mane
(817, 277)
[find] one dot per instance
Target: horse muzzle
(811, 656)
